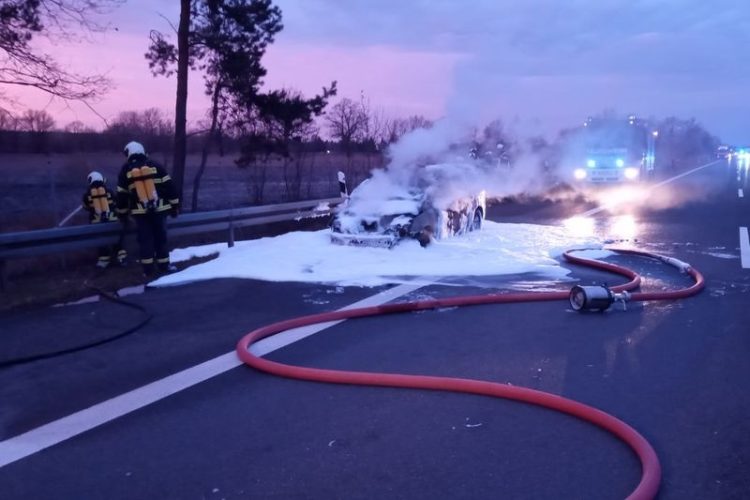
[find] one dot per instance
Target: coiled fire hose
(648, 486)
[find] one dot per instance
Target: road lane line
(598, 209)
(50, 434)
(744, 248)
(35, 440)
(740, 193)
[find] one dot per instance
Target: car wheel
(476, 222)
(424, 237)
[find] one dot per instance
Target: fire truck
(611, 150)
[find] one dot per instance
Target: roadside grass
(52, 279)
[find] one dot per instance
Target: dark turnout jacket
(144, 186)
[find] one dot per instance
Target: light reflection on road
(620, 227)
(580, 227)
(624, 227)
(622, 198)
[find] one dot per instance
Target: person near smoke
(146, 191)
(99, 202)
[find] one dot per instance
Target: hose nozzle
(596, 298)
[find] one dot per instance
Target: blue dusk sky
(540, 65)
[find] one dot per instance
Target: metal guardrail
(60, 240)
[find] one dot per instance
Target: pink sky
(540, 65)
(400, 82)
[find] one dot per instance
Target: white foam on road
(310, 257)
(497, 249)
(35, 440)
(722, 255)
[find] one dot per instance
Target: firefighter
(146, 191)
(99, 201)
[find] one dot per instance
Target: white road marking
(740, 193)
(744, 248)
(596, 210)
(35, 440)
(38, 439)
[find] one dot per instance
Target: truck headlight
(591, 163)
(579, 174)
(631, 173)
(620, 162)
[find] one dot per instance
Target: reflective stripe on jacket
(88, 203)
(128, 198)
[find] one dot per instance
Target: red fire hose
(651, 470)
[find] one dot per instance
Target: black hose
(109, 296)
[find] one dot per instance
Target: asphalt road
(676, 371)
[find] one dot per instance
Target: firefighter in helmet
(146, 191)
(99, 202)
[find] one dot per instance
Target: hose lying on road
(651, 469)
(146, 317)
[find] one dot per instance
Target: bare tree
(23, 65)
(7, 120)
(378, 128)
(346, 123)
(681, 141)
(280, 123)
(151, 122)
(372, 132)
(76, 127)
(395, 128)
(36, 120)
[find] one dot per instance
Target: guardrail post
(343, 191)
(230, 243)
(3, 275)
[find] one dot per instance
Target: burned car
(382, 211)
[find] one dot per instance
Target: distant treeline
(61, 142)
(16, 141)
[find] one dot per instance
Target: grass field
(38, 191)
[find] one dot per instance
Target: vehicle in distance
(381, 212)
(610, 150)
(609, 166)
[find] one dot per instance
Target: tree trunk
(206, 145)
(180, 112)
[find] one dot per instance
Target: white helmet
(95, 177)
(134, 148)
